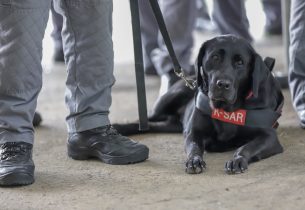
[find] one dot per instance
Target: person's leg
(231, 18)
(22, 26)
(88, 48)
(149, 34)
(58, 55)
(297, 55)
(179, 17)
(203, 10)
(203, 20)
(57, 21)
(273, 12)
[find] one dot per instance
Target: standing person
(296, 57)
(203, 20)
(231, 18)
(58, 55)
(87, 44)
(57, 21)
(273, 12)
(179, 17)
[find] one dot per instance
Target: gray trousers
(231, 18)
(89, 56)
(297, 56)
(57, 21)
(179, 16)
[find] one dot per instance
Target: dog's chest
(225, 131)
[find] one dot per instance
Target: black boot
(106, 144)
(59, 55)
(37, 119)
(16, 164)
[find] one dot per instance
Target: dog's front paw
(238, 165)
(195, 165)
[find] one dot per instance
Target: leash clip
(192, 84)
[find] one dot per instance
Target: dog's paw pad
(237, 165)
(195, 165)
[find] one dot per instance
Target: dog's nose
(223, 84)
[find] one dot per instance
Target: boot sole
(17, 179)
(85, 154)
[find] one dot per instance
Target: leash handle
(177, 67)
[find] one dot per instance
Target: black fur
(227, 70)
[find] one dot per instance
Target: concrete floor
(160, 182)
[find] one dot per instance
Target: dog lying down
(236, 105)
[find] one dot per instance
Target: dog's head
(228, 70)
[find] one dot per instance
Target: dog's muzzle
(222, 90)
(222, 93)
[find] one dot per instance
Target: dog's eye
(238, 61)
(215, 57)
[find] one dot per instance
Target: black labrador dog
(236, 105)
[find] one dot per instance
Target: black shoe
(151, 71)
(106, 144)
(302, 124)
(37, 119)
(59, 55)
(283, 81)
(273, 30)
(16, 164)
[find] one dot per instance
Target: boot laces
(11, 150)
(111, 131)
(107, 130)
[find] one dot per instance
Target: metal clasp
(192, 84)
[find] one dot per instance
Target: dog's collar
(259, 118)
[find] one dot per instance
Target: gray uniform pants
(57, 27)
(231, 18)
(87, 32)
(179, 16)
(297, 56)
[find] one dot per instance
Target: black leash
(162, 27)
(141, 93)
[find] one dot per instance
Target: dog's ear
(269, 63)
(260, 73)
(202, 80)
